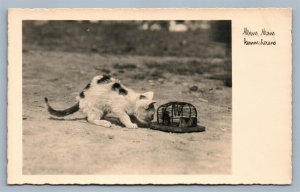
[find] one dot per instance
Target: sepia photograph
(149, 96)
(126, 97)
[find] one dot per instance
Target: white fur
(100, 100)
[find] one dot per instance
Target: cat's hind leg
(95, 118)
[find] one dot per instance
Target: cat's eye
(150, 106)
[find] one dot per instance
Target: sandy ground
(77, 147)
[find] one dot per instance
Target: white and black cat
(106, 95)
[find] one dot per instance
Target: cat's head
(144, 108)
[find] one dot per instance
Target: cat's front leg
(103, 123)
(125, 119)
(94, 117)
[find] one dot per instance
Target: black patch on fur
(123, 91)
(117, 87)
(143, 97)
(87, 86)
(82, 94)
(103, 79)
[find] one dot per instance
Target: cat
(106, 95)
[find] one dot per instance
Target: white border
(261, 151)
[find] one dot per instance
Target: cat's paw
(132, 126)
(106, 124)
(103, 123)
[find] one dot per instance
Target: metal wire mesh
(179, 114)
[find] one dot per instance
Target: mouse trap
(177, 117)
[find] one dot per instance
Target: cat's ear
(149, 95)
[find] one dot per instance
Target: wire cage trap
(178, 117)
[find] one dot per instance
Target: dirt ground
(76, 147)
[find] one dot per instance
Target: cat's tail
(61, 113)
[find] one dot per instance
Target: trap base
(176, 129)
